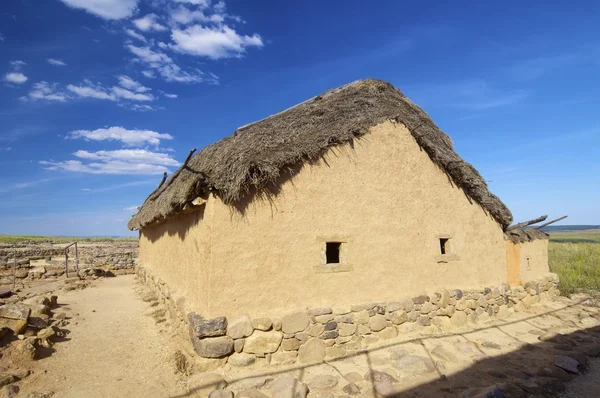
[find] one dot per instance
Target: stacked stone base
(321, 334)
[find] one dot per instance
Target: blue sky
(99, 97)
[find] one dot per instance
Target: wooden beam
(551, 222)
(526, 223)
(158, 191)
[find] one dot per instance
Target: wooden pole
(526, 223)
(14, 267)
(76, 259)
(67, 261)
(551, 222)
(158, 191)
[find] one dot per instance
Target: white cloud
(45, 91)
(144, 108)
(86, 189)
(149, 74)
(131, 209)
(1, 37)
(15, 77)
(129, 155)
(129, 83)
(148, 23)
(167, 68)
(213, 42)
(127, 137)
(91, 90)
(107, 9)
(168, 95)
(200, 3)
(122, 161)
(111, 167)
(56, 62)
(17, 65)
(135, 34)
(183, 15)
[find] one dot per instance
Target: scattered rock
(323, 382)
(9, 391)
(15, 311)
(6, 378)
(250, 393)
(20, 353)
(240, 327)
(295, 322)
(263, 342)
(567, 363)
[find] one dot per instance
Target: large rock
(214, 347)
(288, 387)
(377, 376)
(312, 351)
(9, 391)
(346, 329)
(323, 382)
(377, 323)
(15, 311)
(262, 343)
(202, 384)
(20, 353)
(414, 364)
(241, 359)
(240, 327)
(207, 328)
(16, 325)
(295, 322)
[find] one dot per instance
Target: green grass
(575, 257)
(59, 239)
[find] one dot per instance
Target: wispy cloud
(18, 64)
(128, 137)
(124, 185)
(106, 9)
(135, 35)
(149, 22)
(537, 67)
(23, 185)
(1, 37)
(46, 92)
(56, 62)
(131, 209)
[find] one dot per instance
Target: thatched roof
(253, 158)
(525, 235)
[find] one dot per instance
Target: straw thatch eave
(255, 155)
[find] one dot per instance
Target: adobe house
(353, 196)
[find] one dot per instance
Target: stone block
(296, 322)
(312, 351)
(15, 311)
(346, 329)
(264, 324)
(459, 319)
(262, 343)
(241, 359)
(388, 333)
(324, 318)
(315, 329)
(240, 327)
(290, 344)
(207, 328)
(319, 311)
(377, 323)
(283, 358)
(361, 317)
(214, 347)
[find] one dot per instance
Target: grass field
(58, 239)
(575, 257)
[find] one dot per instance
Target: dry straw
(252, 160)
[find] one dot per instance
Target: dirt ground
(114, 350)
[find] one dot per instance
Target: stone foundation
(319, 334)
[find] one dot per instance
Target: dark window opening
(445, 245)
(332, 252)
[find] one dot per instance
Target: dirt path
(115, 348)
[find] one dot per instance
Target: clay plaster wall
(384, 199)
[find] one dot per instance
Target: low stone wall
(319, 334)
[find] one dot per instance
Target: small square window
(445, 246)
(332, 252)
